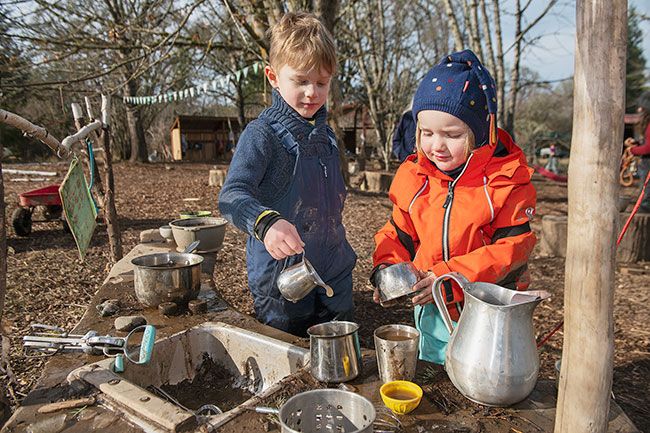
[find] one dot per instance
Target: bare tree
(520, 34)
(112, 45)
(477, 36)
(390, 59)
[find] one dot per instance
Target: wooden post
(79, 123)
(106, 197)
(599, 93)
(217, 176)
(110, 212)
(3, 243)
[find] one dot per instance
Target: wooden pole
(3, 243)
(106, 197)
(110, 212)
(599, 101)
(79, 123)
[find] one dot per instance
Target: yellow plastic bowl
(401, 396)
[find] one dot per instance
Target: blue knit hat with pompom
(461, 86)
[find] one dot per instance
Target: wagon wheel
(53, 212)
(22, 221)
(66, 226)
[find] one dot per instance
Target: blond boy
(284, 186)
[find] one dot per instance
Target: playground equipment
(628, 164)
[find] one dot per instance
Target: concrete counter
(442, 409)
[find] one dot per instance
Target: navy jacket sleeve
(239, 200)
(404, 137)
(397, 141)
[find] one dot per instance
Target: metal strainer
(325, 410)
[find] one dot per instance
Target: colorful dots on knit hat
(467, 94)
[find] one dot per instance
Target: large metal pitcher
(491, 356)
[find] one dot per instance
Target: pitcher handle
(286, 260)
(437, 296)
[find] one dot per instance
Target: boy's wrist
(264, 222)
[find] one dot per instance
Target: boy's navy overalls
(314, 204)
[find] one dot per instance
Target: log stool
(217, 177)
(377, 181)
(634, 247)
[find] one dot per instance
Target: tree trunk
(134, 124)
(327, 10)
(455, 28)
(361, 148)
(97, 186)
(110, 212)
(499, 63)
(3, 243)
(474, 29)
(509, 121)
(241, 107)
(599, 101)
(487, 37)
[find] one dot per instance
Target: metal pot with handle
(325, 410)
(167, 277)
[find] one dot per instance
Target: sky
(552, 55)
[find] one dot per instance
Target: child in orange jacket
(462, 203)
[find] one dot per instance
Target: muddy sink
(213, 363)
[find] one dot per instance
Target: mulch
(47, 283)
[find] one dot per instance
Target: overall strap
(289, 142)
(286, 138)
(332, 138)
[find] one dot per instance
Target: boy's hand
(282, 240)
(424, 287)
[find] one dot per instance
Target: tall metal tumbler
(397, 352)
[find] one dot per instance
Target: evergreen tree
(635, 62)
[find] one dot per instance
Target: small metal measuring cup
(296, 281)
(396, 280)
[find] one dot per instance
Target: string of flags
(192, 92)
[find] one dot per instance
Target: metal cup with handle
(296, 281)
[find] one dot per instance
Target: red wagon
(47, 197)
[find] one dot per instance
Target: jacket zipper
(447, 206)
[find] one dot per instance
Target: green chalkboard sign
(78, 206)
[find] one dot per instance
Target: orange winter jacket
(477, 224)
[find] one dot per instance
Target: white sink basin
(257, 363)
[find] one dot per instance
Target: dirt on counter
(47, 283)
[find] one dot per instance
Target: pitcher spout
(536, 296)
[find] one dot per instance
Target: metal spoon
(192, 247)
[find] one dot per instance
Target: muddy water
(401, 395)
(395, 336)
(213, 384)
